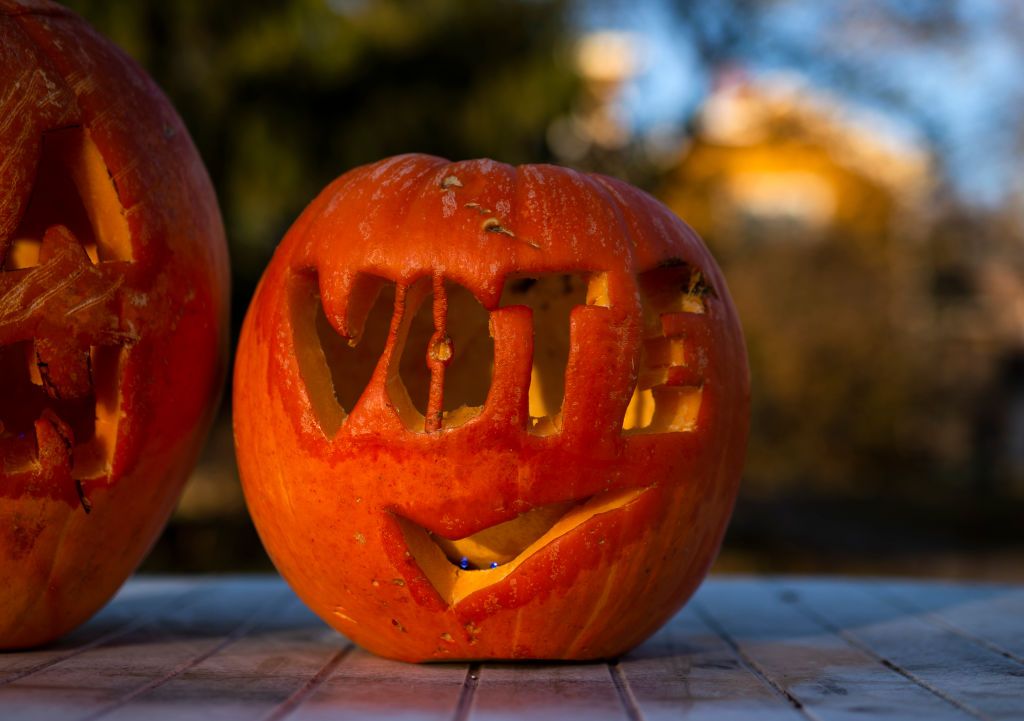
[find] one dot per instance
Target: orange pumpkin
(491, 412)
(113, 317)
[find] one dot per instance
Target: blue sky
(955, 80)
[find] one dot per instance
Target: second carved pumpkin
(113, 317)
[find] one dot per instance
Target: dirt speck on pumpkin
(493, 225)
(82, 498)
(450, 181)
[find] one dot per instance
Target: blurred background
(855, 166)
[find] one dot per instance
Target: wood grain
(688, 668)
(992, 616)
(752, 649)
(368, 687)
(545, 691)
(806, 660)
(136, 605)
(956, 668)
(99, 679)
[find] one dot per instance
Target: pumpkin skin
(113, 317)
(608, 531)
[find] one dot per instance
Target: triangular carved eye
(673, 358)
(335, 369)
(74, 189)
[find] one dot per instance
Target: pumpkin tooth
(55, 440)
(551, 298)
(437, 359)
(65, 371)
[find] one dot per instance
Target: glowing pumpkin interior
(440, 371)
(61, 388)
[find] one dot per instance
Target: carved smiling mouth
(43, 433)
(62, 340)
(60, 403)
(458, 568)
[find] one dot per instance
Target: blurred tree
(847, 162)
(810, 215)
(879, 294)
(947, 71)
(283, 97)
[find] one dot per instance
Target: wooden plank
(248, 679)
(365, 686)
(826, 675)
(979, 680)
(744, 649)
(134, 605)
(990, 615)
(686, 668)
(542, 691)
(103, 677)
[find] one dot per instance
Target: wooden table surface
(744, 648)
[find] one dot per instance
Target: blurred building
(884, 319)
(773, 160)
(596, 124)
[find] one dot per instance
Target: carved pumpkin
(113, 309)
(491, 412)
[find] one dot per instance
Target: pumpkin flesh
(113, 317)
(598, 465)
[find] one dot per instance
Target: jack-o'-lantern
(113, 310)
(491, 412)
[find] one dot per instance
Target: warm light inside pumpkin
(657, 404)
(464, 349)
(502, 543)
(454, 583)
(453, 333)
(73, 189)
